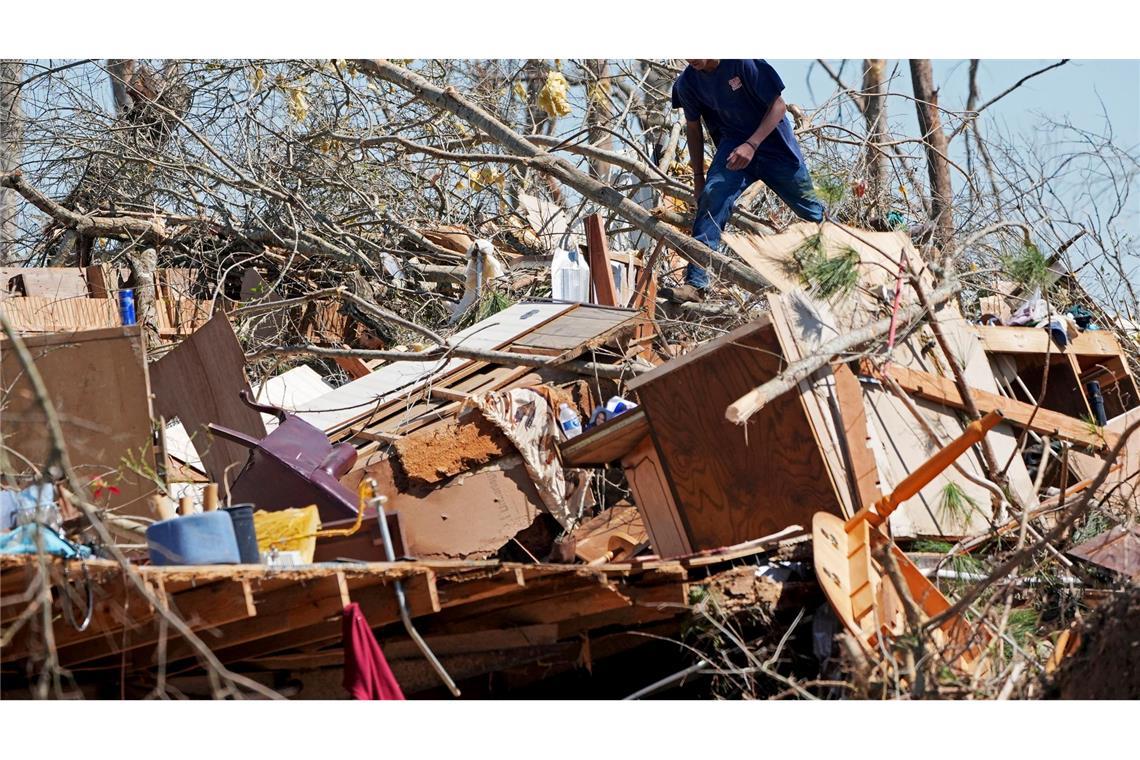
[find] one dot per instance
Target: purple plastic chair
(294, 466)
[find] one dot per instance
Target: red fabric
(366, 672)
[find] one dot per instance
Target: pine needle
(1027, 266)
(828, 276)
(956, 505)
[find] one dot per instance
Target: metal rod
(668, 680)
(401, 600)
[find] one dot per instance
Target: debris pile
(863, 474)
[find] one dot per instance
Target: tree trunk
(11, 151)
(875, 115)
(144, 265)
(937, 163)
(450, 100)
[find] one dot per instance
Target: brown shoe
(683, 294)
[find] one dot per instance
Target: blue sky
(1082, 90)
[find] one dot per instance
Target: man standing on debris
(741, 105)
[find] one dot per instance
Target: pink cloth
(366, 672)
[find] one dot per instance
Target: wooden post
(645, 297)
(601, 275)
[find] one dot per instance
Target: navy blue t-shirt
(733, 99)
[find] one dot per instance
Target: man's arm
(696, 141)
(744, 152)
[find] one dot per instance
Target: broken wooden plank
(1000, 339)
(215, 604)
(288, 607)
(1057, 425)
(377, 601)
(354, 367)
(594, 538)
(601, 275)
(862, 469)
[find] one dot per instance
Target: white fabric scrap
(529, 420)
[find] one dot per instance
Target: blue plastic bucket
(206, 538)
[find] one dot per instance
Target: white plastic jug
(569, 276)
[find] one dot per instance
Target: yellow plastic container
(288, 530)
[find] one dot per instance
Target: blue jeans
(790, 181)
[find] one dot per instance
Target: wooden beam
(601, 276)
(448, 395)
(862, 469)
(353, 366)
(293, 605)
(460, 592)
(118, 605)
(1054, 424)
(645, 298)
(377, 602)
(209, 606)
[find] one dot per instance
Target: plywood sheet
(56, 283)
(773, 256)
(898, 441)
(199, 383)
(97, 381)
(38, 314)
(903, 446)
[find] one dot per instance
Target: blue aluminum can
(127, 306)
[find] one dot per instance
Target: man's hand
(740, 157)
(698, 186)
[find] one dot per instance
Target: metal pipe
(401, 600)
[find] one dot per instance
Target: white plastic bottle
(568, 421)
